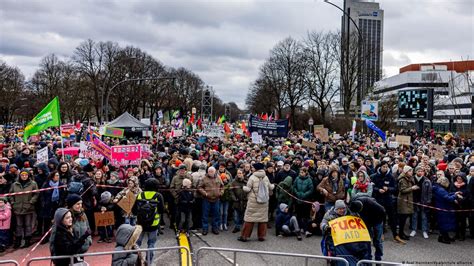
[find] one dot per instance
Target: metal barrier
(10, 261)
(378, 262)
(235, 251)
(111, 253)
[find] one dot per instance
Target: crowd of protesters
(210, 184)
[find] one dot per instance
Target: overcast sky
(225, 41)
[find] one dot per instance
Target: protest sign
(370, 110)
(127, 202)
(177, 133)
(101, 148)
(322, 134)
(393, 144)
(403, 140)
(104, 218)
(275, 128)
(348, 229)
(256, 138)
(336, 136)
(113, 132)
(42, 155)
(147, 133)
(146, 151)
(126, 155)
(309, 144)
(86, 151)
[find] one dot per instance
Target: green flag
(48, 117)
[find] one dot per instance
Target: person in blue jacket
(445, 200)
(286, 223)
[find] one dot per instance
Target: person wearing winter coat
(80, 223)
(23, 207)
(105, 204)
(445, 200)
(421, 196)
(303, 190)
(286, 223)
(90, 193)
(460, 185)
(65, 173)
(50, 201)
(43, 173)
(470, 191)
(197, 177)
(384, 190)
(185, 206)
(363, 185)
(286, 171)
(5, 222)
(406, 186)
(127, 236)
(175, 186)
(211, 189)
(239, 199)
(132, 186)
(281, 195)
(256, 212)
(332, 187)
(65, 241)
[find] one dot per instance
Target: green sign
(48, 117)
(113, 132)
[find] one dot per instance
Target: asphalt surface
(417, 251)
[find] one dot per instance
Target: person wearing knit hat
(258, 166)
(445, 200)
(185, 206)
(406, 185)
(423, 196)
(72, 199)
(286, 223)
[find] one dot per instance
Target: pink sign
(126, 155)
(101, 148)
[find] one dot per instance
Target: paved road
(417, 250)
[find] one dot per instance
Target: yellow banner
(348, 229)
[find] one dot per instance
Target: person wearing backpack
(259, 188)
(88, 192)
(147, 208)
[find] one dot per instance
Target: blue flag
(377, 130)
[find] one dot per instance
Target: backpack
(75, 186)
(146, 210)
(262, 194)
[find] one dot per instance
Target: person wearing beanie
(5, 222)
(421, 196)
(332, 188)
(316, 216)
(225, 200)
(256, 211)
(286, 223)
(89, 194)
(23, 207)
(81, 222)
(147, 208)
(64, 241)
(445, 200)
(105, 204)
(303, 190)
(175, 186)
(133, 187)
(363, 185)
(127, 236)
(185, 206)
(239, 199)
(406, 186)
(284, 172)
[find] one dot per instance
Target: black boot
(27, 242)
(17, 242)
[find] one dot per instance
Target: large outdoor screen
(415, 104)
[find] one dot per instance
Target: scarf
(362, 186)
(459, 185)
(55, 195)
(335, 185)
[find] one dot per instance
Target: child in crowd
(105, 204)
(185, 206)
(5, 219)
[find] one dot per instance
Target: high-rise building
(369, 19)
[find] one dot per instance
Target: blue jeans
(238, 218)
(224, 208)
(376, 233)
(213, 208)
(131, 220)
(152, 237)
(419, 211)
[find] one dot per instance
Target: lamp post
(361, 46)
(123, 81)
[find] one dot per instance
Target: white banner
(42, 155)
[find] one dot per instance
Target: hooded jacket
(127, 236)
(282, 196)
(238, 195)
(256, 212)
(356, 191)
(24, 204)
(5, 217)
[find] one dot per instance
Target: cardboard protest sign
(322, 134)
(104, 218)
(348, 229)
(42, 155)
(127, 202)
(309, 144)
(113, 132)
(126, 155)
(403, 140)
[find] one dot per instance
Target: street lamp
(123, 81)
(361, 46)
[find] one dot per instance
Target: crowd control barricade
(14, 262)
(147, 250)
(378, 262)
(306, 257)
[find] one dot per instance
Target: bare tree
(11, 91)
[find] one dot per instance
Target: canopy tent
(128, 123)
